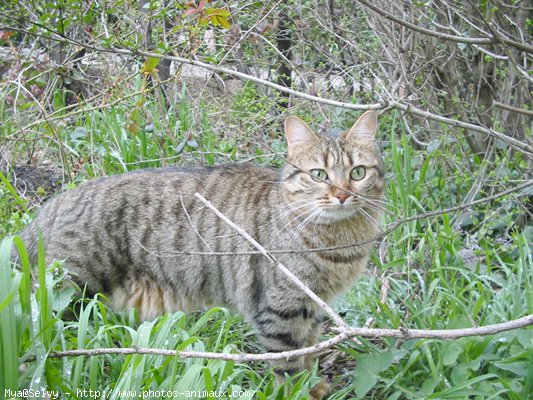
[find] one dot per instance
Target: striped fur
(137, 236)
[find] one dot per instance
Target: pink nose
(342, 196)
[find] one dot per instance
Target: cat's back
(184, 180)
(148, 200)
(156, 185)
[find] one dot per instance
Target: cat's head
(334, 178)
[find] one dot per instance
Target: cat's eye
(358, 173)
(319, 174)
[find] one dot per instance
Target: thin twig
(193, 227)
(514, 109)
(461, 39)
(338, 320)
(389, 229)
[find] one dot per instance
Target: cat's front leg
(285, 334)
(296, 365)
(320, 390)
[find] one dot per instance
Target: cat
(143, 238)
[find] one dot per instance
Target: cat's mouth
(337, 212)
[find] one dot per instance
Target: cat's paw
(319, 391)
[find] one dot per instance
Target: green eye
(319, 174)
(358, 173)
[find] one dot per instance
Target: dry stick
(513, 109)
(440, 334)
(445, 36)
(338, 320)
(389, 229)
(400, 105)
(346, 332)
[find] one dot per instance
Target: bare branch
(514, 109)
(400, 105)
(515, 143)
(338, 320)
(438, 334)
(390, 228)
(445, 36)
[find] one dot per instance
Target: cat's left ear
(298, 133)
(365, 126)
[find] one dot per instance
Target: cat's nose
(342, 196)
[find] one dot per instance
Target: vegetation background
(92, 88)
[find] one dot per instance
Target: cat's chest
(330, 258)
(350, 237)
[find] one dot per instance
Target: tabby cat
(144, 239)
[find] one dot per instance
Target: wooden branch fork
(344, 331)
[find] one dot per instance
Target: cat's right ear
(365, 126)
(298, 133)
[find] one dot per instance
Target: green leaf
(150, 65)
(460, 374)
(367, 369)
(13, 192)
(433, 145)
(218, 16)
(223, 22)
(62, 298)
(180, 147)
(464, 389)
(192, 143)
(364, 381)
(430, 384)
(451, 351)
(8, 333)
(517, 368)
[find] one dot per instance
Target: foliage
(439, 276)
(90, 112)
(34, 323)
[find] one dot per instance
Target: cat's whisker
(378, 200)
(363, 215)
(367, 195)
(300, 204)
(375, 208)
(375, 201)
(374, 205)
(368, 217)
(306, 221)
(318, 220)
(290, 209)
(314, 211)
(296, 217)
(289, 212)
(293, 203)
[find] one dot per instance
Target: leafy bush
(79, 93)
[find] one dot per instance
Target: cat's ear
(365, 126)
(298, 133)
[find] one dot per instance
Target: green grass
(458, 270)
(434, 285)
(32, 327)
